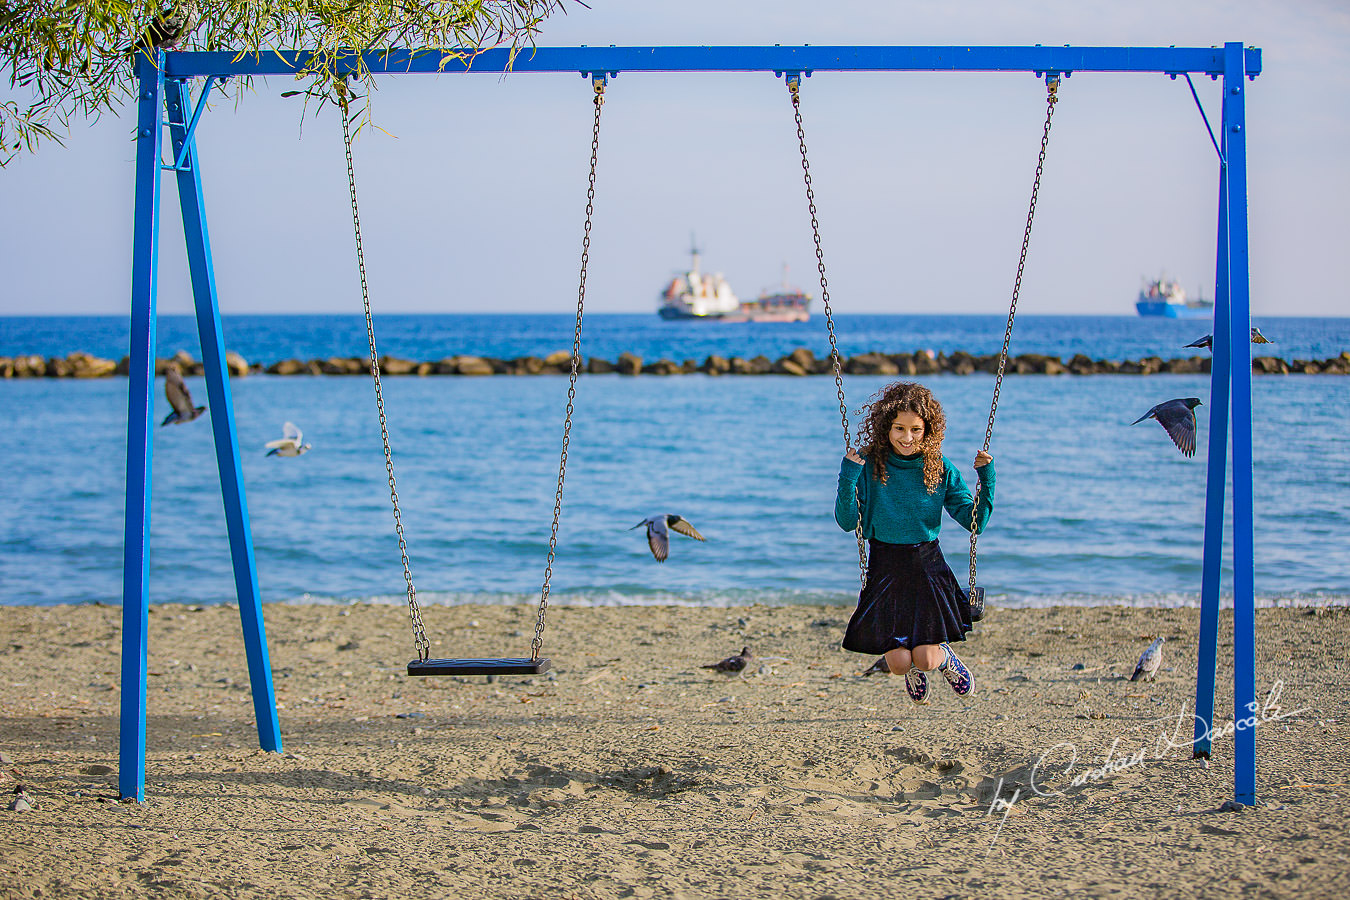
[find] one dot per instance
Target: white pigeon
(1149, 662)
(658, 534)
(290, 445)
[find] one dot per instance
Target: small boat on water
(695, 295)
(1166, 298)
(784, 304)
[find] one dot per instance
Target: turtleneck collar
(903, 462)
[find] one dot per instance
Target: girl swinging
(911, 608)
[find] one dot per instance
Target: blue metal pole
(1240, 365)
(588, 60)
(140, 425)
(222, 415)
(1216, 485)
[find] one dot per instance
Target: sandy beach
(629, 771)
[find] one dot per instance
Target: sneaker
(916, 683)
(956, 673)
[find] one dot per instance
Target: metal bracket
(196, 116)
(180, 161)
(1200, 106)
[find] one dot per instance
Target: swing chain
(536, 645)
(414, 611)
(1052, 97)
(794, 87)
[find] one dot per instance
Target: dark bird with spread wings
(1177, 417)
(1207, 342)
(177, 394)
(732, 664)
(658, 532)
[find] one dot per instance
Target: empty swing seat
(524, 666)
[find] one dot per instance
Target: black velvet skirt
(911, 598)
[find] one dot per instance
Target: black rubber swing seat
(976, 603)
(525, 666)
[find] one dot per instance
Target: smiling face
(906, 433)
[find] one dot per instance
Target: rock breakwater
(800, 362)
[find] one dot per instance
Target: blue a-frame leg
(156, 93)
(1215, 490)
(1231, 383)
(1240, 369)
(140, 425)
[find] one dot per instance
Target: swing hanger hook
(793, 80)
(1052, 80)
(342, 85)
(599, 80)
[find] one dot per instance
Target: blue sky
(473, 195)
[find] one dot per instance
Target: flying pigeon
(879, 667)
(179, 398)
(658, 537)
(1149, 661)
(1177, 417)
(290, 445)
(170, 26)
(1207, 342)
(732, 664)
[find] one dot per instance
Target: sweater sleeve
(846, 501)
(959, 501)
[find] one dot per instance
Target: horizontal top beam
(587, 60)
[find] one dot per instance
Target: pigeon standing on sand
(732, 664)
(177, 394)
(1177, 417)
(290, 445)
(658, 532)
(1207, 342)
(879, 667)
(1149, 661)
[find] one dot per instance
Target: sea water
(1088, 508)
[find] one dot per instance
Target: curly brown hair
(874, 433)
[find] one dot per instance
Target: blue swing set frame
(163, 88)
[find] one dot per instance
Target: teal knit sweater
(901, 511)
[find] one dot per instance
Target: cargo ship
(1165, 298)
(781, 304)
(696, 295)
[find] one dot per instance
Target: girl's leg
(898, 661)
(941, 656)
(929, 657)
